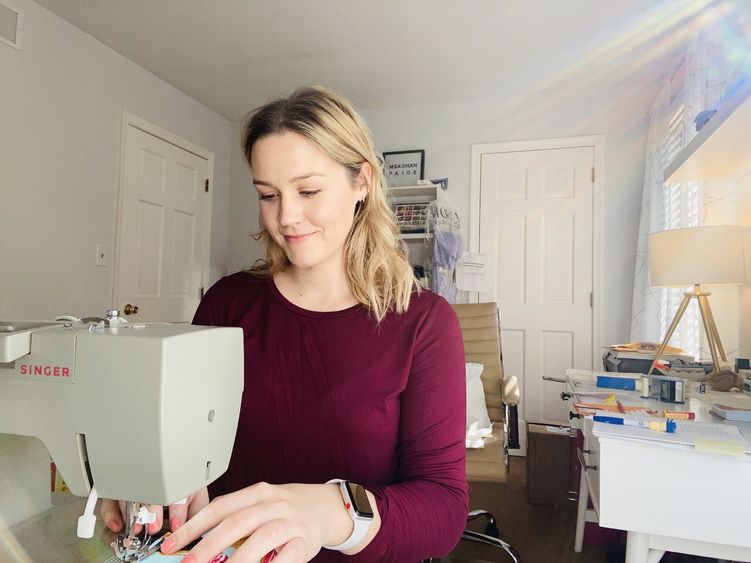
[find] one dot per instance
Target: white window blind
(681, 208)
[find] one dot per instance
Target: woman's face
(307, 200)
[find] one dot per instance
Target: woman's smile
(297, 239)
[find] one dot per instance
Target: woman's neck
(315, 290)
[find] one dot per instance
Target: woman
(350, 371)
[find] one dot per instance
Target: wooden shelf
(423, 193)
(414, 236)
(721, 150)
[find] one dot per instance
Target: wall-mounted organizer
(410, 205)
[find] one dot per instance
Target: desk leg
(638, 551)
(581, 511)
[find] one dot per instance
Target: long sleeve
(339, 395)
(425, 511)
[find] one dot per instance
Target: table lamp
(711, 255)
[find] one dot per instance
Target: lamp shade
(699, 255)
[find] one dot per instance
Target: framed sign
(404, 168)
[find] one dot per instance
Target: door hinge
(201, 292)
(593, 175)
(207, 185)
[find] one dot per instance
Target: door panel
(536, 229)
(163, 221)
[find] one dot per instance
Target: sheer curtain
(698, 83)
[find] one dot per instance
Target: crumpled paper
(475, 437)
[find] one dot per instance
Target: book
(731, 413)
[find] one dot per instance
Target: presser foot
(130, 553)
(129, 546)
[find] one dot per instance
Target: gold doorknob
(130, 309)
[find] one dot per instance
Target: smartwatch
(358, 506)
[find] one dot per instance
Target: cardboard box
(548, 464)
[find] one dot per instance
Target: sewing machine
(135, 412)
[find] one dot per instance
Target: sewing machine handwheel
(130, 309)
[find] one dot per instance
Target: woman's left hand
(295, 519)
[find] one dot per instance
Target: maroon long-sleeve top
(338, 395)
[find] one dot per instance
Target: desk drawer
(590, 461)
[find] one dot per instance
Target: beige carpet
(541, 534)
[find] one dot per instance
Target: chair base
(477, 537)
(491, 535)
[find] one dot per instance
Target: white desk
(667, 498)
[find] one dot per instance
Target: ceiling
(233, 55)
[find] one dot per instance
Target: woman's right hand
(113, 513)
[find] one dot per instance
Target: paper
(719, 447)
(592, 408)
(688, 433)
(470, 273)
(475, 437)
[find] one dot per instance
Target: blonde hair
(376, 266)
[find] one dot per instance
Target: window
(681, 207)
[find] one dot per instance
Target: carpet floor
(540, 534)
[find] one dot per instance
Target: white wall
(61, 103)
(243, 250)
(447, 132)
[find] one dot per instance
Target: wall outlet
(102, 255)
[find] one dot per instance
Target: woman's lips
(297, 239)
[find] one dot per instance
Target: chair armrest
(510, 390)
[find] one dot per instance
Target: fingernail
(153, 528)
(137, 528)
(175, 523)
(188, 559)
(168, 544)
(114, 525)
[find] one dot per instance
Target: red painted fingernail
(188, 559)
(168, 544)
(153, 528)
(114, 525)
(175, 523)
(137, 528)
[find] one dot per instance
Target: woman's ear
(365, 178)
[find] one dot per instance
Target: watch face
(360, 501)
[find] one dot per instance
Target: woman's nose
(289, 211)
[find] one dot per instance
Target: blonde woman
(351, 373)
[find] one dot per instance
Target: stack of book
(731, 413)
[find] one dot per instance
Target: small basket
(411, 217)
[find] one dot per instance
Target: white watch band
(361, 524)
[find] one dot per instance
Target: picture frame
(404, 168)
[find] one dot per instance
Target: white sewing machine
(140, 412)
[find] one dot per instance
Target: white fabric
(700, 82)
(478, 421)
(476, 436)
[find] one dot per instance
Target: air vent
(11, 25)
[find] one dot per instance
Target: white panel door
(536, 230)
(163, 222)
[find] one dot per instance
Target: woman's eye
(267, 197)
(309, 193)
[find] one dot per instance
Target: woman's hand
(296, 520)
(113, 513)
